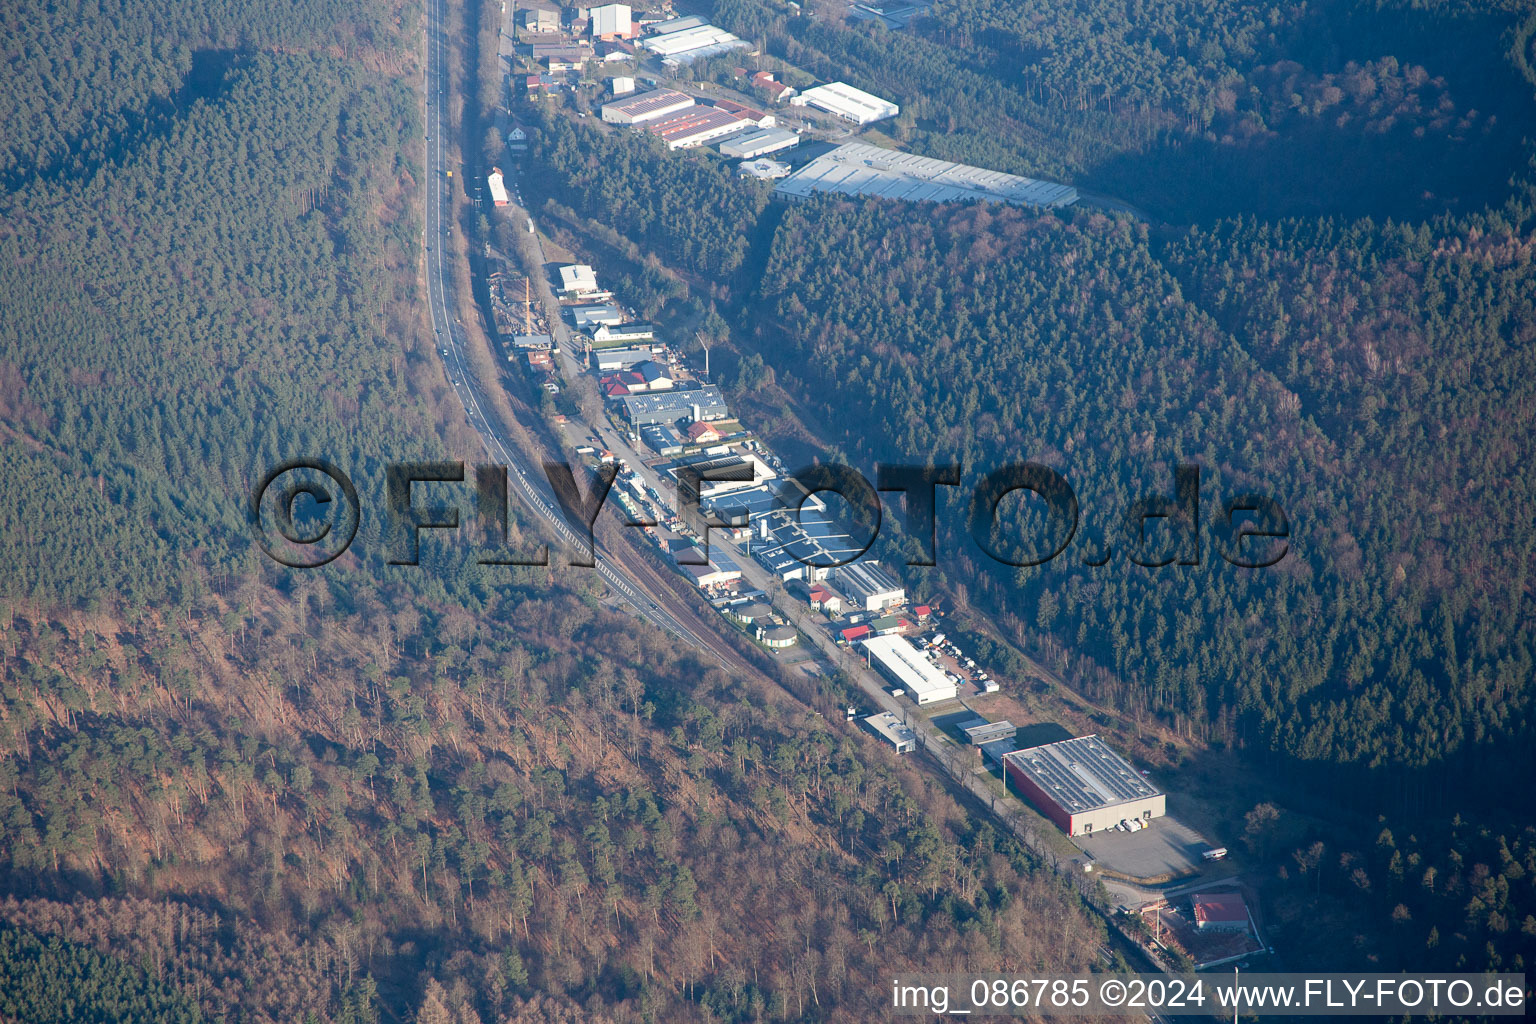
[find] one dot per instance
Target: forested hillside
(1370, 372)
(230, 792)
(202, 296)
(475, 816)
(1195, 110)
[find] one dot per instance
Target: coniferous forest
(1328, 301)
(231, 792)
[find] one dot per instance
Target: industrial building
(762, 169)
(848, 103)
(707, 463)
(704, 403)
(893, 730)
(606, 360)
(905, 666)
(610, 21)
(577, 279)
(753, 144)
(663, 439)
(694, 127)
(1220, 912)
(587, 318)
(868, 587)
(636, 331)
(498, 187)
(684, 40)
(648, 106)
(1083, 786)
(855, 168)
(989, 732)
(621, 85)
(749, 114)
(893, 16)
(717, 571)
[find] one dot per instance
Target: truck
(1215, 854)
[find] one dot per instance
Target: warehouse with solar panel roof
(1084, 786)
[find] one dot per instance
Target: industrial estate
(722, 508)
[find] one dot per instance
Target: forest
(230, 792)
(1195, 110)
(1361, 355)
(413, 806)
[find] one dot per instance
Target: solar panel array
(855, 168)
(1082, 774)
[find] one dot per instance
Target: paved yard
(1167, 848)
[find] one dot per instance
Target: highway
(450, 339)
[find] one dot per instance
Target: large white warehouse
(687, 39)
(610, 20)
(906, 666)
(848, 103)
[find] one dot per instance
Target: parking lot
(1168, 849)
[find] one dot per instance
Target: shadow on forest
(86, 151)
(1398, 161)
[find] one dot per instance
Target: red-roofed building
(614, 389)
(746, 113)
(1224, 912)
(853, 633)
(922, 612)
(778, 90)
(823, 600)
(702, 433)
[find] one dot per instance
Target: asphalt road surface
(449, 339)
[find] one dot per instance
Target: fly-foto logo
(305, 513)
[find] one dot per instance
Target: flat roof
(649, 102)
(989, 732)
(774, 138)
(892, 729)
(1082, 774)
(867, 578)
(840, 97)
(707, 397)
(909, 666)
(856, 168)
(1221, 906)
(683, 42)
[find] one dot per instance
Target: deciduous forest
(1354, 341)
(232, 792)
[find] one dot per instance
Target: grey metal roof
(865, 579)
(655, 403)
(1082, 774)
(856, 168)
(989, 732)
